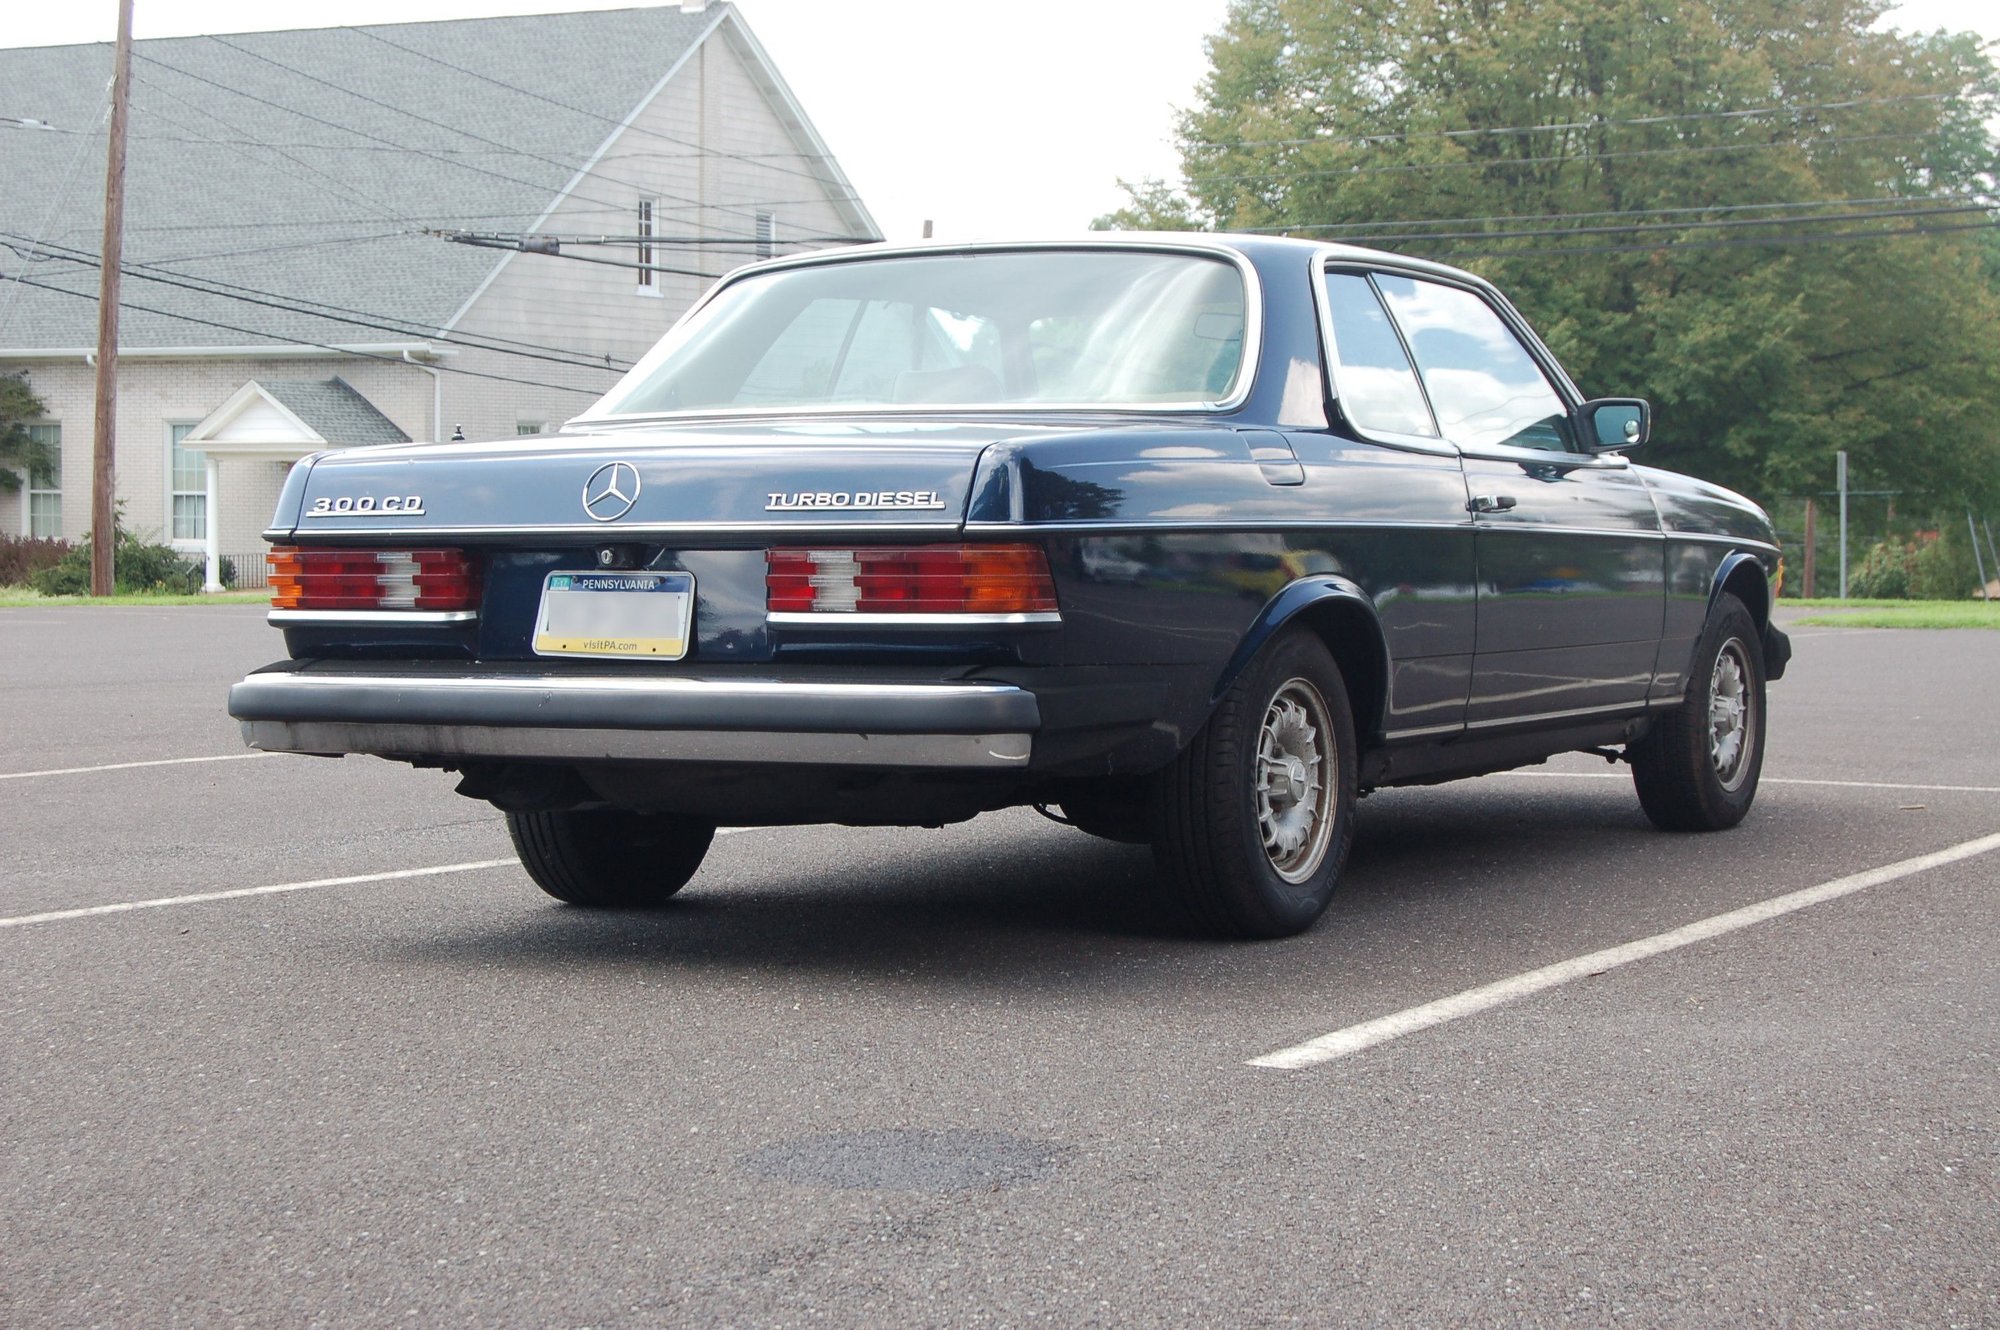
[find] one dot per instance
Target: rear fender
(1340, 614)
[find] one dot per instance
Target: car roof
(1255, 248)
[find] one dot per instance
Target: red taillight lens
(328, 579)
(921, 579)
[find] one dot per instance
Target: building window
(45, 484)
(188, 483)
(526, 427)
(645, 244)
(767, 235)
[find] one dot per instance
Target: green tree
(1637, 174)
(19, 453)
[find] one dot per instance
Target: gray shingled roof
(312, 191)
(335, 411)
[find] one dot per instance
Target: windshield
(1089, 328)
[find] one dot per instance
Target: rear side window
(1377, 388)
(1483, 384)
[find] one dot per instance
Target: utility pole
(103, 456)
(1840, 483)
(1810, 578)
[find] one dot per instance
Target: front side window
(1056, 328)
(45, 483)
(1377, 387)
(1483, 384)
(189, 470)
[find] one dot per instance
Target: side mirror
(1615, 424)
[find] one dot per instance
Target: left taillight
(345, 579)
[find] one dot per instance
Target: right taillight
(913, 579)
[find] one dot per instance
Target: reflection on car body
(1113, 560)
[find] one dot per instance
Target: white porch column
(211, 540)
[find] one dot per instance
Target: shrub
(139, 566)
(21, 557)
(1932, 566)
(1944, 569)
(1884, 573)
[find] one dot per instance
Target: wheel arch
(1340, 614)
(1742, 575)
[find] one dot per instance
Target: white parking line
(1766, 780)
(159, 902)
(127, 766)
(1473, 1001)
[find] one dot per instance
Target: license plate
(620, 616)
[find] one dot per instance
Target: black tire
(609, 857)
(1697, 768)
(1247, 862)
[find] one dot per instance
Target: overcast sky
(992, 117)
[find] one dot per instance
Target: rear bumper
(435, 713)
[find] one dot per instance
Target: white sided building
(288, 282)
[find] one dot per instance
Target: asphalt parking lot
(969, 1077)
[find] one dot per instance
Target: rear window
(1043, 328)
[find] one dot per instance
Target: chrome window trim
(1240, 388)
(1329, 359)
(842, 619)
(625, 530)
(1606, 709)
(282, 618)
(1173, 525)
(1565, 388)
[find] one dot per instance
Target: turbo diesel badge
(920, 499)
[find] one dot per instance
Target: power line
(60, 199)
(1493, 163)
(465, 133)
(1578, 216)
(521, 246)
(293, 341)
(1404, 136)
(306, 115)
(384, 211)
(1800, 238)
(1679, 227)
(339, 314)
(701, 149)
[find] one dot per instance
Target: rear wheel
(609, 857)
(1697, 769)
(1253, 822)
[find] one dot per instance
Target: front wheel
(1697, 769)
(1252, 823)
(607, 857)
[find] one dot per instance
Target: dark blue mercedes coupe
(1194, 538)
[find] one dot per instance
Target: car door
(1571, 591)
(1394, 500)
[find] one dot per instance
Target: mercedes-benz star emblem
(611, 491)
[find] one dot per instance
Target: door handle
(1490, 503)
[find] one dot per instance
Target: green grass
(1899, 613)
(14, 597)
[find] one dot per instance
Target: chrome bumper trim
(415, 618)
(633, 718)
(842, 619)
